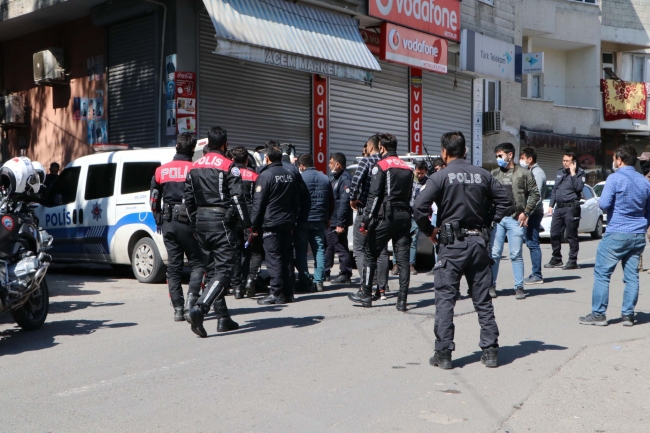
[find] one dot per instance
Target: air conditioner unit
(12, 110)
(491, 122)
(49, 66)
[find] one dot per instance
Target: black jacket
(215, 182)
(567, 188)
(275, 201)
(460, 191)
(391, 180)
(342, 216)
(320, 205)
(169, 181)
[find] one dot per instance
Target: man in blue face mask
(521, 185)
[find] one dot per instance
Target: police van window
(100, 182)
(64, 190)
(586, 193)
(136, 176)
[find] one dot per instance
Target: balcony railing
(540, 115)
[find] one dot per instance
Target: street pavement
(110, 359)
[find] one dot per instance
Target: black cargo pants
(359, 247)
(218, 243)
(252, 257)
(564, 218)
(471, 258)
(278, 250)
(180, 242)
(397, 229)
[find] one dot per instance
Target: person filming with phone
(565, 208)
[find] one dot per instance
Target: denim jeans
(615, 247)
(508, 227)
(311, 233)
(415, 231)
(532, 242)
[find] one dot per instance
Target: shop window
(100, 182)
(64, 190)
(136, 176)
(536, 86)
(492, 95)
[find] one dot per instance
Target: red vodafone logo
(394, 39)
(438, 17)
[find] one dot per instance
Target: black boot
(363, 297)
(442, 359)
(238, 292)
(178, 314)
(401, 301)
(490, 357)
(189, 303)
(226, 324)
(250, 288)
(195, 317)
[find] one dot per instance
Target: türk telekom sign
(437, 17)
(412, 48)
(320, 118)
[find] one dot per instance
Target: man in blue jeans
(313, 221)
(520, 184)
(626, 199)
(528, 160)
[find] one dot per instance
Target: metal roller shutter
(549, 160)
(358, 111)
(445, 109)
(132, 75)
(253, 102)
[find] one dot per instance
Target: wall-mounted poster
(101, 133)
(186, 106)
(76, 108)
(171, 122)
(90, 127)
(170, 68)
(187, 124)
(97, 107)
(84, 109)
(171, 95)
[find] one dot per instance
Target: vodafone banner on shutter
(412, 48)
(438, 17)
(320, 122)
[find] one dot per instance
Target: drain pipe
(162, 68)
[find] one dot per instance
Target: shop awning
(284, 34)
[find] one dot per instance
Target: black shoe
(304, 287)
(492, 291)
(442, 359)
(365, 299)
(554, 264)
(571, 264)
(189, 303)
(250, 288)
(628, 320)
(238, 293)
(195, 317)
(327, 277)
(319, 287)
(272, 300)
(401, 302)
(377, 295)
(226, 324)
(490, 357)
(458, 295)
(594, 319)
(519, 293)
(288, 299)
(341, 279)
(178, 314)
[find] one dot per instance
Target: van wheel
(147, 265)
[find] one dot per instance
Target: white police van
(98, 211)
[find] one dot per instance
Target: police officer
(214, 199)
(387, 216)
(166, 198)
(249, 248)
(460, 191)
(565, 197)
(275, 210)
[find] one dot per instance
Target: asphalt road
(110, 359)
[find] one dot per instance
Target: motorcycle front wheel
(32, 314)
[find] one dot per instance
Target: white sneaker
(383, 295)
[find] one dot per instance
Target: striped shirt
(361, 179)
(626, 199)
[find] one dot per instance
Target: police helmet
(17, 176)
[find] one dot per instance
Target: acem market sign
(437, 17)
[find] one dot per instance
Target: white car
(591, 219)
(598, 189)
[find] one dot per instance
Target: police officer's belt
(452, 232)
(217, 209)
(569, 204)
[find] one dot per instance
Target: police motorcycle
(23, 261)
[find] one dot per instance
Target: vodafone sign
(411, 48)
(437, 17)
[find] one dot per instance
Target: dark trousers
(471, 258)
(338, 243)
(359, 242)
(252, 258)
(238, 277)
(180, 242)
(532, 242)
(218, 243)
(397, 229)
(279, 260)
(564, 219)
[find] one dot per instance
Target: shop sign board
(320, 122)
(489, 57)
(416, 111)
(413, 48)
(185, 106)
(533, 63)
(372, 40)
(436, 17)
(477, 122)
